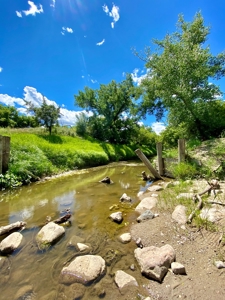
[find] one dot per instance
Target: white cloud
(33, 9)
(94, 81)
(19, 14)
(66, 29)
(158, 127)
(101, 43)
(114, 13)
(31, 94)
(105, 9)
(52, 4)
(137, 79)
(1, 69)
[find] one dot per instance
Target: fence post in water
(159, 158)
(5, 153)
(181, 150)
(147, 163)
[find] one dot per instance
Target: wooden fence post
(5, 153)
(147, 163)
(1, 152)
(181, 150)
(159, 158)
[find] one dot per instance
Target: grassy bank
(35, 154)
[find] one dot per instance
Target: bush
(184, 170)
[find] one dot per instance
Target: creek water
(89, 202)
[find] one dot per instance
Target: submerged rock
(125, 198)
(123, 279)
(83, 269)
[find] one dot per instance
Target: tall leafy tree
(113, 107)
(181, 72)
(46, 115)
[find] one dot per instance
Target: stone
(11, 243)
(48, 235)
(178, 268)
(125, 237)
(155, 188)
(219, 264)
(123, 279)
(117, 217)
(75, 291)
(125, 198)
(146, 203)
(83, 269)
(25, 292)
(151, 257)
(147, 215)
(185, 195)
(82, 247)
(139, 242)
(179, 214)
(74, 240)
(213, 214)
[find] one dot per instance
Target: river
(89, 202)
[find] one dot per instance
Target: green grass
(36, 154)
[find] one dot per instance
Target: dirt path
(196, 250)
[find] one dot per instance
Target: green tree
(46, 115)
(112, 106)
(181, 72)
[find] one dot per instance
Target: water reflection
(90, 202)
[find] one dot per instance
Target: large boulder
(11, 243)
(213, 214)
(154, 261)
(123, 279)
(48, 235)
(83, 269)
(146, 203)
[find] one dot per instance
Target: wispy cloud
(19, 14)
(66, 29)
(114, 13)
(68, 117)
(1, 69)
(94, 81)
(158, 127)
(52, 4)
(33, 10)
(101, 43)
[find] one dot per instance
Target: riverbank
(196, 247)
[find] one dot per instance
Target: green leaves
(180, 73)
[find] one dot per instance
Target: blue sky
(56, 48)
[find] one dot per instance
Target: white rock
(155, 188)
(179, 214)
(123, 279)
(219, 264)
(82, 247)
(117, 217)
(178, 268)
(146, 203)
(125, 237)
(213, 214)
(185, 195)
(11, 243)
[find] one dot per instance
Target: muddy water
(89, 202)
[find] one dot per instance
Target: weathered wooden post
(1, 152)
(160, 159)
(5, 153)
(181, 150)
(147, 163)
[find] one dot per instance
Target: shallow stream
(89, 202)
